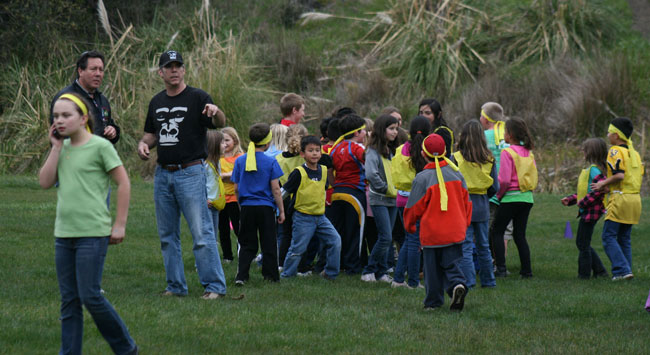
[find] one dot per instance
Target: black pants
(346, 221)
(254, 220)
(229, 214)
(588, 260)
(442, 273)
(517, 212)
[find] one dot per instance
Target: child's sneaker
(239, 282)
(368, 277)
(395, 284)
(458, 298)
(385, 278)
(212, 296)
(304, 274)
(629, 276)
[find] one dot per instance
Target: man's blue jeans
(618, 247)
(184, 191)
(79, 267)
(477, 234)
(378, 258)
(305, 227)
(409, 259)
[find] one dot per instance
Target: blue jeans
(378, 258)
(305, 227)
(477, 234)
(184, 191)
(214, 214)
(79, 267)
(409, 259)
(618, 247)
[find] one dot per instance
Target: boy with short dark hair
(308, 183)
(292, 107)
(256, 183)
(624, 176)
(439, 200)
(347, 212)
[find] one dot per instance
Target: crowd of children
(457, 202)
(307, 201)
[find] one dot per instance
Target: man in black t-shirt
(177, 122)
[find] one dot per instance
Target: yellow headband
(76, 100)
(630, 147)
(79, 104)
(444, 198)
(487, 117)
(251, 162)
(342, 137)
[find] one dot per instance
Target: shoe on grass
(167, 293)
(212, 296)
(396, 284)
(240, 283)
(304, 274)
(326, 276)
(458, 298)
(385, 278)
(628, 276)
(368, 277)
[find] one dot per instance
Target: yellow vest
(287, 165)
(401, 170)
(310, 196)
(526, 170)
(392, 191)
(220, 201)
(624, 199)
(583, 182)
(499, 132)
(477, 177)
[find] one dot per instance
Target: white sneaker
(368, 278)
(304, 274)
(398, 284)
(386, 278)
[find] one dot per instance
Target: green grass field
(552, 313)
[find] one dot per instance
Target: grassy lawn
(552, 313)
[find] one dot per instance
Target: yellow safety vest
(583, 182)
(526, 170)
(401, 170)
(287, 165)
(310, 197)
(220, 201)
(477, 176)
(392, 191)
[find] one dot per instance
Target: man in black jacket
(90, 73)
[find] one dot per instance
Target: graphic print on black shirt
(169, 120)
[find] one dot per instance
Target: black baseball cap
(168, 57)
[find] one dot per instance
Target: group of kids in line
(453, 202)
(450, 197)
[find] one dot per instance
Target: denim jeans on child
(378, 258)
(79, 267)
(305, 227)
(176, 192)
(617, 244)
(477, 234)
(409, 259)
(441, 273)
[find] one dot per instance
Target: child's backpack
(220, 201)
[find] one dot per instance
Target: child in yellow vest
(216, 198)
(477, 165)
(307, 184)
(591, 207)
(624, 174)
(517, 180)
(289, 160)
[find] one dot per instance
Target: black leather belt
(176, 167)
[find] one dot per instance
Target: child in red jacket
(439, 201)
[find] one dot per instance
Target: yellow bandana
(342, 137)
(441, 181)
(612, 129)
(499, 128)
(80, 104)
(251, 162)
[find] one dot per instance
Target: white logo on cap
(172, 55)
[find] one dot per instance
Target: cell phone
(56, 134)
